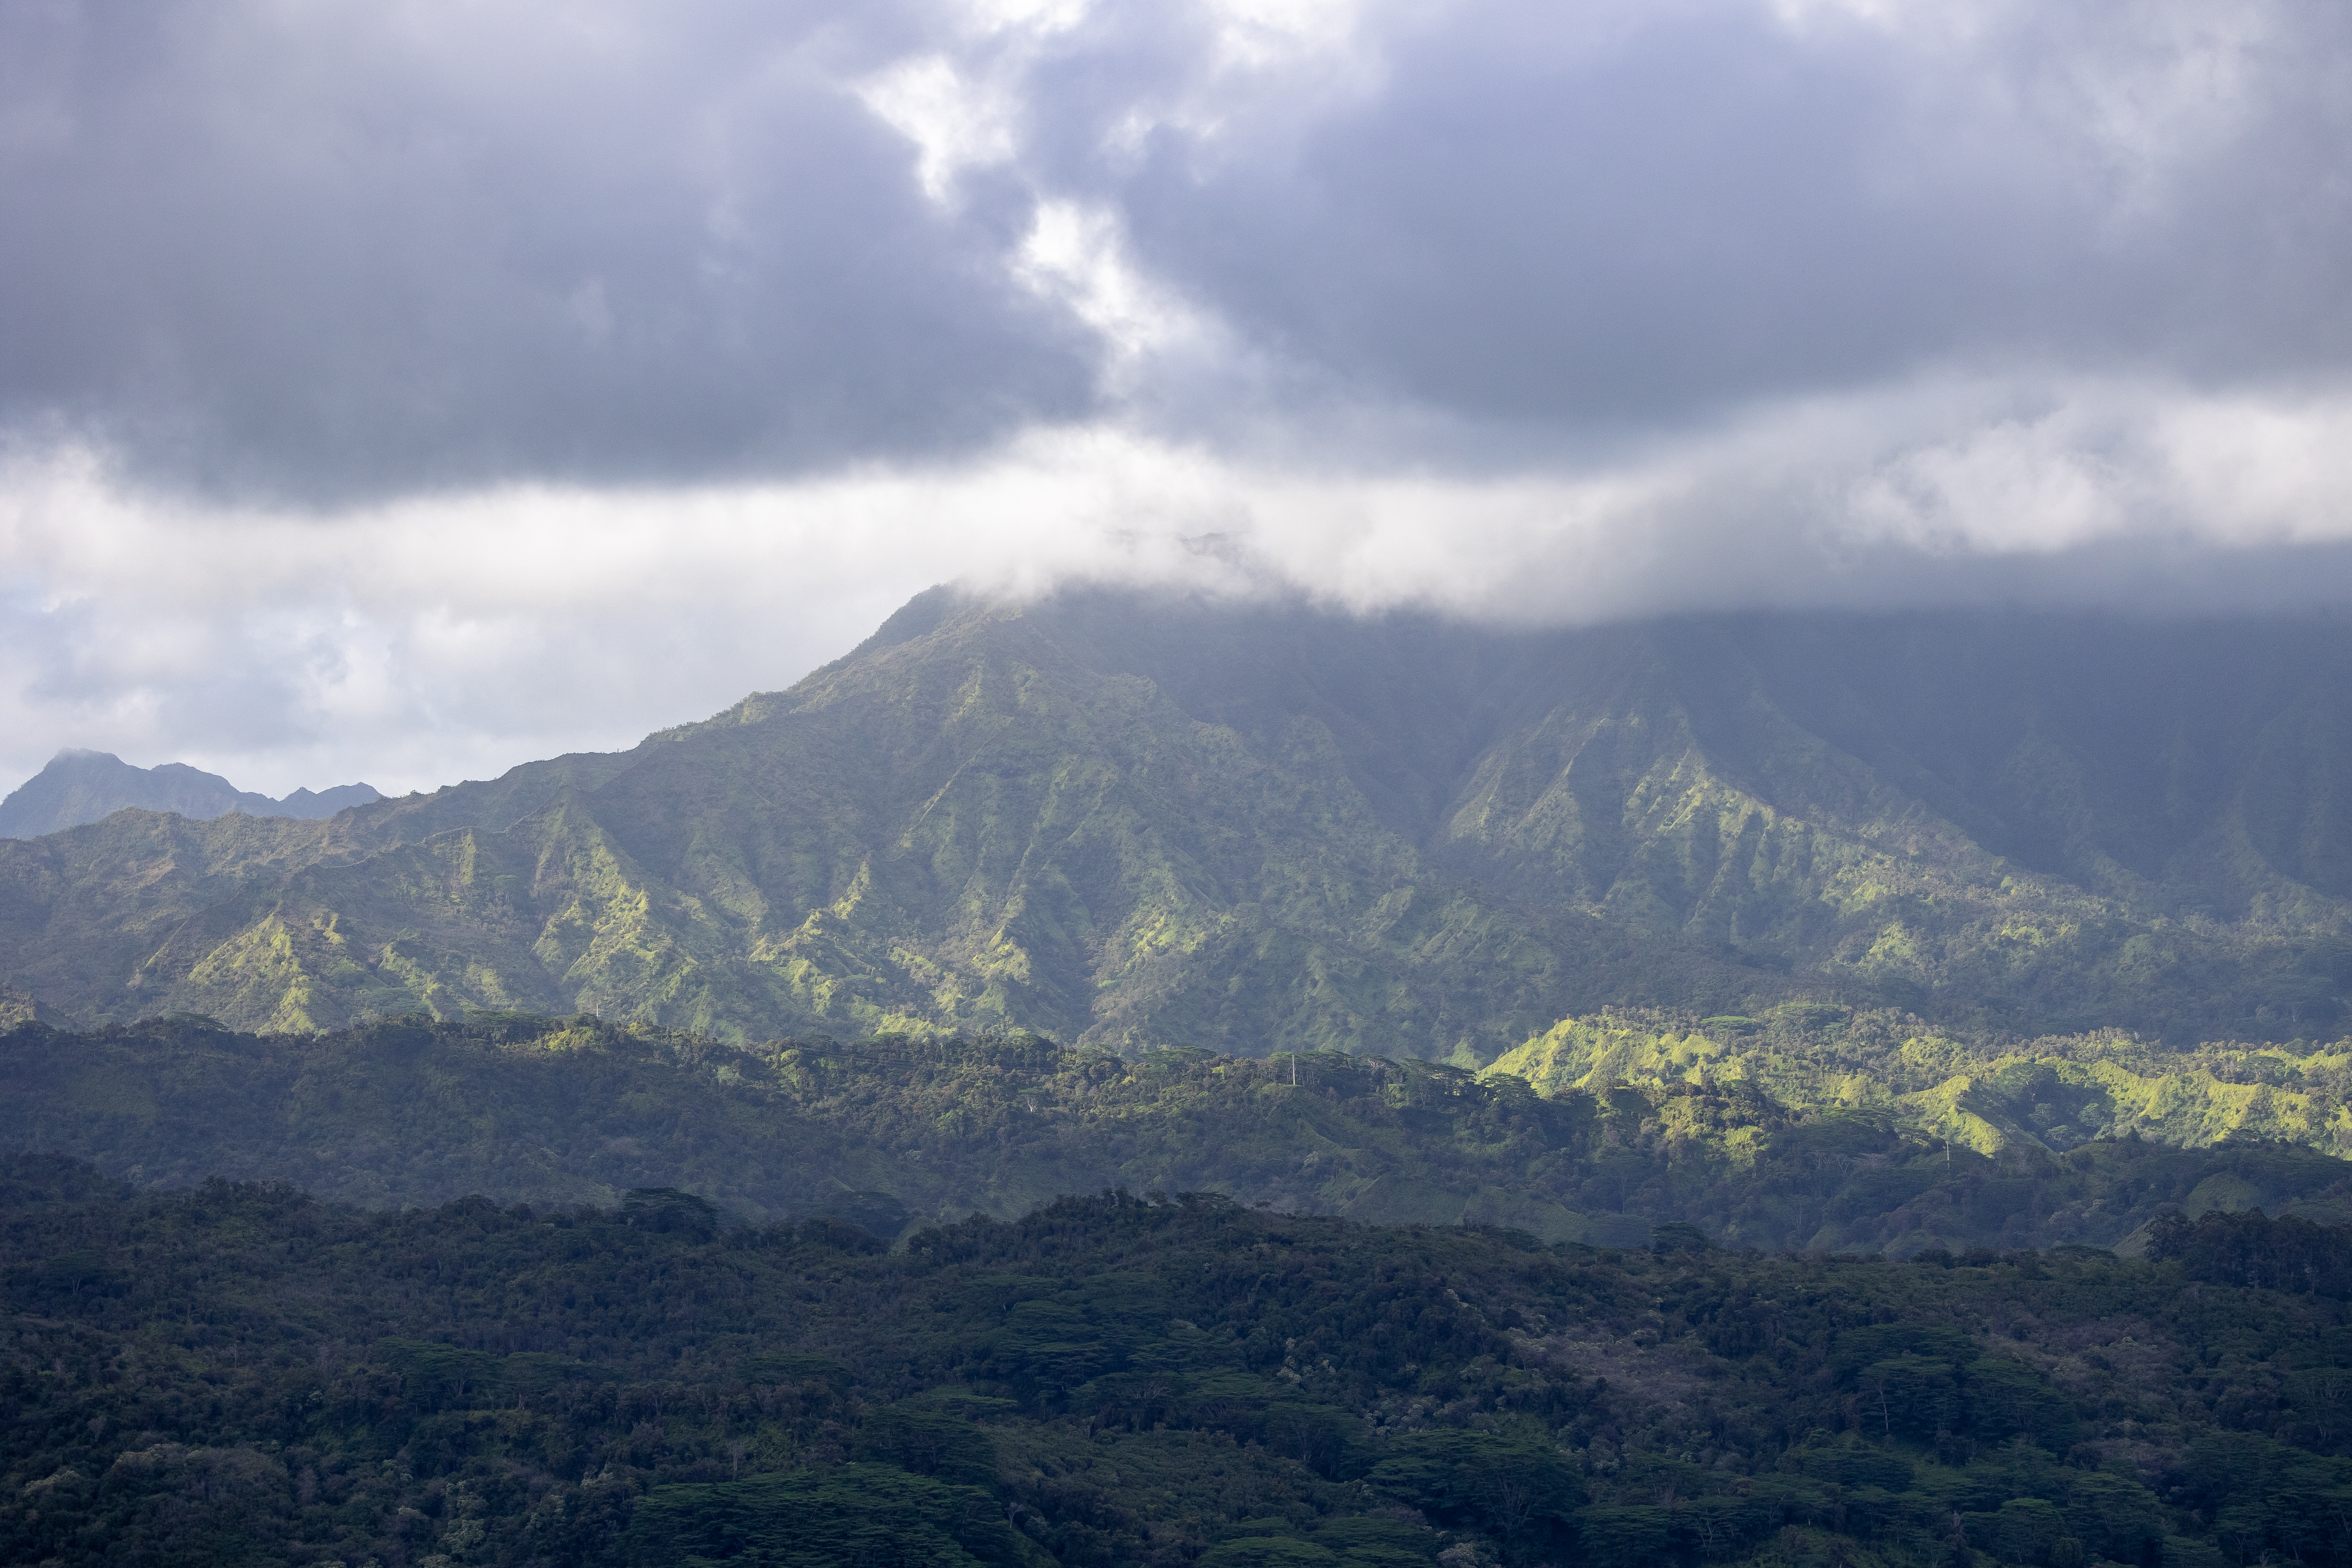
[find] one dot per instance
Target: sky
(403, 391)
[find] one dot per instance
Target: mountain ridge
(80, 786)
(1129, 821)
(1778, 1133)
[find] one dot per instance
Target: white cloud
(1078, 255)
(957, 124)
(992, 18)
(414, 642)
(2098, 461)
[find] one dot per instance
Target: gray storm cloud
(1554, 215)
(329, 252)
(347, 251)
(397, 391)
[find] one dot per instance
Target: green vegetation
(240, 1375)
(2054, 1093)
(1620, 1125)
(689, 1136)
(1133, 824)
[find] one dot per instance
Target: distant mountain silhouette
(89, 786)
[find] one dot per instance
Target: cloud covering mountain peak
(1562, 311)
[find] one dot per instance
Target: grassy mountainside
(2053, 1094)
(243, 1375)
(1130, 822)
(1764, 1147)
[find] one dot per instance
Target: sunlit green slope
(1130, 821)
(2053, 1093)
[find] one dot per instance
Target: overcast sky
(403, 391)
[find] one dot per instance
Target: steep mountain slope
(1981, 810)
(86, 787)
(1132, 822)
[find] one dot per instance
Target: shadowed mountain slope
(1132, 822)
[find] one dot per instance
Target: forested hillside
(1136, 823)
(241, 1375)
(1763, 1140)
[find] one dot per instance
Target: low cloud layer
(402, 391)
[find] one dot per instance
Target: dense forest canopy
(240, 1375)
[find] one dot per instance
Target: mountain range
(1791, 977)
(80, 786)
(1127, 821)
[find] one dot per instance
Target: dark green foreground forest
(809, 1300)
(241, 1375)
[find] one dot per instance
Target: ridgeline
(1758, 1137)
(1132, 823)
